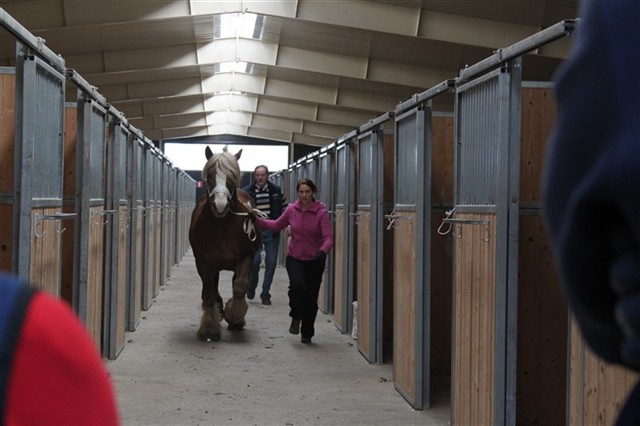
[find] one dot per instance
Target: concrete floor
(260, 376)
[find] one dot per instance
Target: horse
(223, 237)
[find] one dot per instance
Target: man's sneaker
(266, 301)
(305, 339)
(251, 294)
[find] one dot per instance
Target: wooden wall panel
(441, 300)
(542, 330)
(404, 330)
(442, 161)
(542, 312)
(442, 172)
(597, 390)
(475, 291)
(68, 191)
(338, 279)
(7, 135)
(363, 265)
(538, 118)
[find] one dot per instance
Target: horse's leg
(211, 305)
(236, 307)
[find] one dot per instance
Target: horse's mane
(227, 164)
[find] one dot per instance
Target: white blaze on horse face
(220, 193)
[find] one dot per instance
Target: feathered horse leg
(236, 307)
(211, 308)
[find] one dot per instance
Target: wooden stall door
(404, 278)
(475, 295)
(365, 286)
(138, 270)
(121, 293)
(95, 273)
(485, 228)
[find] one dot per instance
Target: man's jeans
(270, 246)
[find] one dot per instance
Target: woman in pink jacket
(311, 240)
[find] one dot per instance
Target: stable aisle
(260, 376)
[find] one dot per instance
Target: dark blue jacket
(276, 199)
(592, 182)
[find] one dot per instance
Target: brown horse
(222, 237)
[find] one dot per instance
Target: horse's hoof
(209, 336)
(235, 327)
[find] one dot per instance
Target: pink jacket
(310, 230)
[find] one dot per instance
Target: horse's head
(222, 175)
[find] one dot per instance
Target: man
(270, 201)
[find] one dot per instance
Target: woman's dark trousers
(305, 277)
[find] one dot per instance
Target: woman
(311, 240)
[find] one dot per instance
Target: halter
(226, 169)
(221, 194)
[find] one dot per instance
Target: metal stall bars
(166, 231)
(164, 213)
(326, 194)
(173, 256)
(301, 172)
(179, 205)
(38, 162)
(344, 236)
(135, 151)
(423, 151)
(375, 323)
(188, 196)
(148, 227)
(136, 231)
(89, 189)
(281, 179)
(485, 223)
(312, 166)
(117, 253)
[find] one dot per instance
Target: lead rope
(248, 227)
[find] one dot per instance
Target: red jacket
(55, 373)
